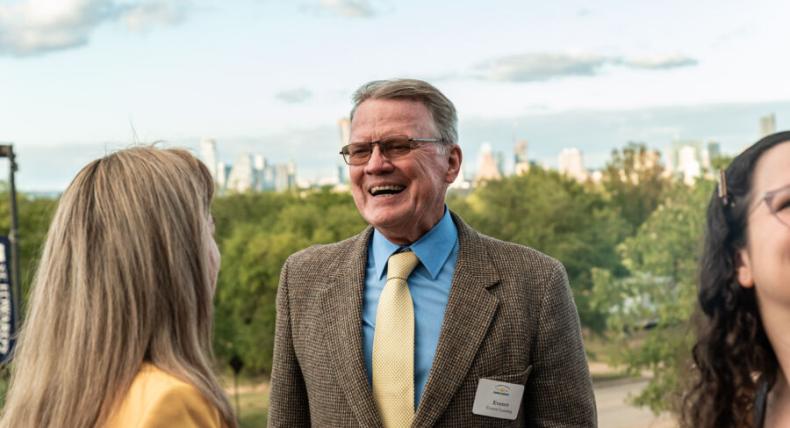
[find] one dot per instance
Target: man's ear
(744, 269)
(454, 163)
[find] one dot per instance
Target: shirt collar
(432, 249)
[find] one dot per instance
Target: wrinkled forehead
(378, 118)
(772, 170)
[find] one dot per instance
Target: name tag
(498, 399)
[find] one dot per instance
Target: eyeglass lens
(390, 148)
(779, 204)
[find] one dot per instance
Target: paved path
(615, 412)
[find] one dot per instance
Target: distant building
(487, 168)
(242, 175)
(461, 183)
(345, 131)
(570, 162)
(284, 177)
(223, 171)
(342, 174)
(520, 160)
(208, 153)
(689, 160)
(345, 137)
(767, 125)
(499, 157)
(260, 168)
(250, 173)
(689, 166)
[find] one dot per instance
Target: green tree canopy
(256, 233)
(556, 215)
(660, 291)
(634, 179)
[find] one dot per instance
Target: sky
(81, 78)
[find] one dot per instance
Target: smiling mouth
(386, 190)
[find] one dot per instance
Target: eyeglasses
(391, 148)
(778, 202)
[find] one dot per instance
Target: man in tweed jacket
(507, 313)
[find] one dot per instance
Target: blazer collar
(470, 310)
(342, 316)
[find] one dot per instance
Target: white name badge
(498, 399)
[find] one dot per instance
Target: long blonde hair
(123, 279)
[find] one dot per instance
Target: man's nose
(377, 162)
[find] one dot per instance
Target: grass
(600, 352)
(253, 402)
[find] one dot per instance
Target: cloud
(533, 67)
(144, 16)
(34, 27)
(661, 62)
(294, 96)
(538, 66)
(348, 8)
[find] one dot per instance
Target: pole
(236, 394)
(236, 363)
(10, 295)
(13, 234)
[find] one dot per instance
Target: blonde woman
(119, 324)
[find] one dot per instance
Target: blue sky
(274, 76)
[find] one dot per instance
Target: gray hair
(441, 108)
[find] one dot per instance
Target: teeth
(389, 188)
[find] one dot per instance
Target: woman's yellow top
(157, 400)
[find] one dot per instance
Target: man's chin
(389, 220)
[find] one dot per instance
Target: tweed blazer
(510, 317)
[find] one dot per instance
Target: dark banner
(7, 316)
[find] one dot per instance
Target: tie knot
(400, 265)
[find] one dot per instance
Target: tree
(256, 234)
(34, 217)
(634, 179)
(556, 215)
(659, 292)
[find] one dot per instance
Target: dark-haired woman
(742, 356)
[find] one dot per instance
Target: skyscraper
(345, 130)
(767, 125)
(208, 153)
(570, 162)
(242, 175)
(520, 160)
(691, 159)
(284, 176)
(260, 166)
(223, 171)
(487, 166)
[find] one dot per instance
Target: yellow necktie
(393, 345)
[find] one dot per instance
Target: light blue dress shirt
(429, 285)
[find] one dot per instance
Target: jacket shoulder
(514, 255)
(322, 254)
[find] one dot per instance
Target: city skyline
(685, 160)
(84, 77)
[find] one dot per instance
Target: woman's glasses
(778, 202)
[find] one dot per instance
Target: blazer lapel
(470, 310)
(342, 316)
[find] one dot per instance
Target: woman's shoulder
(159, 399)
